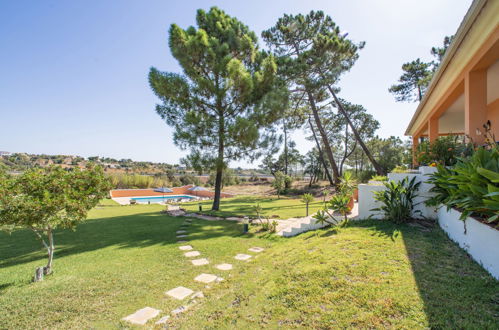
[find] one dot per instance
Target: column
(475, 104)
(433, 129)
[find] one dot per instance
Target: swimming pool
(160, 199)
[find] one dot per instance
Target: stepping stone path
(200, 262)
(192, 254)
(224, 266)
(242, 256)
(142, 315)
(179, 293)
(207, 278)
(163, 320)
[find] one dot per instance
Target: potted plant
(348, 186)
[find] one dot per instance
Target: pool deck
(126, 200)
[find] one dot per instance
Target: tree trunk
(375, 164)
(325, 140)
(220, 165)
(50, 249)
(285, 149)
(321, 157)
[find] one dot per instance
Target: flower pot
(350, 204)
(356, 194)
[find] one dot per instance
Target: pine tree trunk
(220, 166)
(325, 140)
(285, 150)
(375, 164)
(321, 157)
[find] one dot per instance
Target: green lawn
(282, 208)
(369, 275)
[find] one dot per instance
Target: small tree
(46, 199)
(258, 210)
(279, 183)
(307, 199)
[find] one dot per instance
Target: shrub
(472, 185)
(398, 199)
(189, 179)
(444, 151)
(281, 183)
(338, 204)
(381, 178)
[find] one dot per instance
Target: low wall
(184, 190)
(480, 241)
(367, 201)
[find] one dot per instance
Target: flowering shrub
(444, 151)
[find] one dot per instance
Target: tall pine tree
(227, 95)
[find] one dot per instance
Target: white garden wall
(480, 241)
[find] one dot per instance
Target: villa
(464, 92)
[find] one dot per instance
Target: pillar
(433, 129)
(475, 104)
(415, 144)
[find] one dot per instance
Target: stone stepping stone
(256, 249)
(185, 247)
(192, 254)
(179, 293)
(181, 231)
(205, 278)
(200, 262)
(224, 266)
(242, 256)
(181, 236)
(181, 242)
(163, 320)
(142, 315)
(179, 310)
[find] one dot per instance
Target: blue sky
(73, 74)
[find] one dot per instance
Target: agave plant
(398, 199)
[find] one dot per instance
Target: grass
(371, 274)
(282, 208)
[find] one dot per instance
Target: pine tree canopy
(225, 101)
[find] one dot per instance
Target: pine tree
(413, 82)
(227, 95)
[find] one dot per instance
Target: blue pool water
(159, 199)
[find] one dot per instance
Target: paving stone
(181, 236)
(185, 247)
(224, 266)
(256, 249)
(142, 315)
(191, 254)
(205, 278)
(242, 256)
(163, 320)
(200, 262)
(198, 294)
(179, 310)
(219, 279)
(179, 293)
(181, 232)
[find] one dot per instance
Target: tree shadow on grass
(130, 231)
(456, 291)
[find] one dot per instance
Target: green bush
(444, 151)
(398, 199)
(471, 186)
(381, 178)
